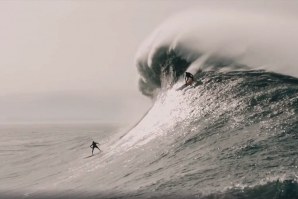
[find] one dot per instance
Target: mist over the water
(219, 39)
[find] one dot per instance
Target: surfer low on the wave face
(188, 78)
(94, 145)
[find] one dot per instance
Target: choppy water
(33, 156)
(231, 135)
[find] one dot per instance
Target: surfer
(188, 78)
(94, 145)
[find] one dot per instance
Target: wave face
(232, 135)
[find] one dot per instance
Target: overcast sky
(74, 60)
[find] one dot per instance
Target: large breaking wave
(217, 40)
(233, 134)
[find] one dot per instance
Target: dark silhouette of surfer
(188, 78)
(93, 146)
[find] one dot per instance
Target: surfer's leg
(92, 150)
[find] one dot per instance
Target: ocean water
(230, 135)
(34, 156)
(233, 134)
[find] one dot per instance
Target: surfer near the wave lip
(188, 78)
(94, 145)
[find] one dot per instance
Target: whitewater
(232, 134)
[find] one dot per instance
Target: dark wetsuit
(188, 78)
(94, 145)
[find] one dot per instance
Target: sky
(74, 60)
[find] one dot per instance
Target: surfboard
(181, 87)
(188, 83)
(92, 155)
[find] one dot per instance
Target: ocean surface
(35, 157)
(229, 135)
(232, 134)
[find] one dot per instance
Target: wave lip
(165, 66)
(217, 40)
